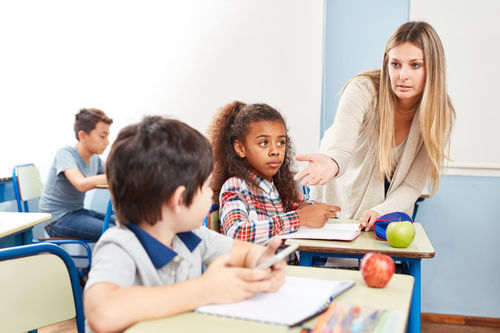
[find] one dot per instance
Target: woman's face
(407, 73)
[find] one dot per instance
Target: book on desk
(346, 230)
(298, 300)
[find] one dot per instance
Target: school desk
(6, 189)
(16, 228)
(395, 296)
(421, 247)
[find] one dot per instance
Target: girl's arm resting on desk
(82, 183)
(317, 214)
(110, 308)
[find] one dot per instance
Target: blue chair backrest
(27, 185)
(30, 251)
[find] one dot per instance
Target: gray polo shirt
(59, 196)
(129, 256)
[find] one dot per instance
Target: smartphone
(279, 256)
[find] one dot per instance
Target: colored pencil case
(380, 225)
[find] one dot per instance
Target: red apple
(377, 269)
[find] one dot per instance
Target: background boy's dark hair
(87, 119)
(232, 123)
(149, 160)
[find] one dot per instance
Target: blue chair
(109, 209)
(107, 218)
(39, 286)
(211, 221)
(305, 191)
(28, 186)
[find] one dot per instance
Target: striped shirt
(254, 212)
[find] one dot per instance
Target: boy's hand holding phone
(228, 283)
(266, 256)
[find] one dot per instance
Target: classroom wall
(181, 58)
(463, 224)
(470, 33)
(355, 37)
(462, 219)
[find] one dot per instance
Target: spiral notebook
(298, 300)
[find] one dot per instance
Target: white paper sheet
(331, 231)
(298, 299)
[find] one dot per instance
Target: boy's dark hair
(149, 160)
(87, 119)
(232, 123)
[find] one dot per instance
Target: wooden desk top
(421, 246)
(395, 296)
(12, 222)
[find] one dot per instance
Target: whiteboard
(470, 33)
(180, 58)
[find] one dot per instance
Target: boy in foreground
(159, 174)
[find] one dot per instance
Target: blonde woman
(390, 134)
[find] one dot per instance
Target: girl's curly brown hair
(232, 123)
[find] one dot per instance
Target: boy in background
(75, 170)
(159, 174)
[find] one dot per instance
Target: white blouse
(357, 187)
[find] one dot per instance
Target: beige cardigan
(357, 187)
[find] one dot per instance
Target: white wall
(471, 37)
(130, 58)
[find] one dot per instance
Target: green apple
(400, 234)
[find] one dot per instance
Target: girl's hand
(296, 205)
(321, 169)
(316, 215)
(368, 219)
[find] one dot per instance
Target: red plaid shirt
(253, 212)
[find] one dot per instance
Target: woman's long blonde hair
(436, 113)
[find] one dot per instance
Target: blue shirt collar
(160, 254)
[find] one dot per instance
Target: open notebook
(298, 300)
(331, 230)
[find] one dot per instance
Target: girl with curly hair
(253, 178)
